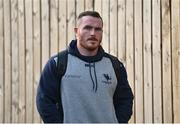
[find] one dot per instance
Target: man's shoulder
(113, 58)
(54, 58)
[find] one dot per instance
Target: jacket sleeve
(47, 95)
(123, 97)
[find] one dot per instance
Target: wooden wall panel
(80, 6)
(175, 17)
(1, 63)
(37, 55)
(121, 32)
(22, 63)
(89, 4)
(129, 38)
(139, 104)
(105, 17)
(113, 27)
(166, 62)
(45, 32)
(98, 6)
(15, 62)
(53, 27)
(147, 61)
(29, 60)
(156, 56)
(62, 24)
(7, 61)
(70, 20)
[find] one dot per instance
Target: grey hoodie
(90, 91)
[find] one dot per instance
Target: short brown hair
(89, 13)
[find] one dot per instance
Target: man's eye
(98, 29)
(88, 28)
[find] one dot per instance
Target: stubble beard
(92, 46)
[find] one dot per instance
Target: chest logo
(107, 79)
(72, 76)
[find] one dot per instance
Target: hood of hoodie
(73, 50)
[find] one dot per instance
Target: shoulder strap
(116, 66)
(61, 69)
(62, 63)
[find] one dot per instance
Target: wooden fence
(144, 34)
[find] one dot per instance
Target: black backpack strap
(62, 63)
(61, 69)
(116, 65)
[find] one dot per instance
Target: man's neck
(86, 52)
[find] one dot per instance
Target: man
(90, 91)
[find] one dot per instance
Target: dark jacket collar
(72, 49)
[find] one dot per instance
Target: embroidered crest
(107, 79)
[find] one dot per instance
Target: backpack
(62, 64)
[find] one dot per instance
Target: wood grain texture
(37, 55)
(29, 61)
(15, 62)
(129, 47)
(22, 63)
(157, 74)
(1, 63)
(139, 84)
(166, 62)
(175, 17)
(106, 32)
(7, 60)
(147, 58)
(62, 23)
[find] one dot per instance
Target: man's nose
(92, 32)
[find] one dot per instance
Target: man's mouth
(93, 39)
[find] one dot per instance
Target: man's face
(89, 32)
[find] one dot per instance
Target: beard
(91, 45)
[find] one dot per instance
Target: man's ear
(75, 30)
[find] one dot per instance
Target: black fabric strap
(116, 65)
(61, 69)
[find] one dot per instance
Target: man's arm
(47, 95)
(123, 97)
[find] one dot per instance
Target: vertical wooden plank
(98, 6)
(29, 61)
(15, 57)
(147, 61)
(37, 55)
(70, 20)
(1, 63)
(121, 30)
(7, 47)
(129, 36)
(53, 27)
(45, 31)
(156, 47)
(138, 61)
(22, 75)
(166, 62)
(89, 4)
(175, 14)
(105, 17)
(62, 24)
(113, 27)
(80, 7)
